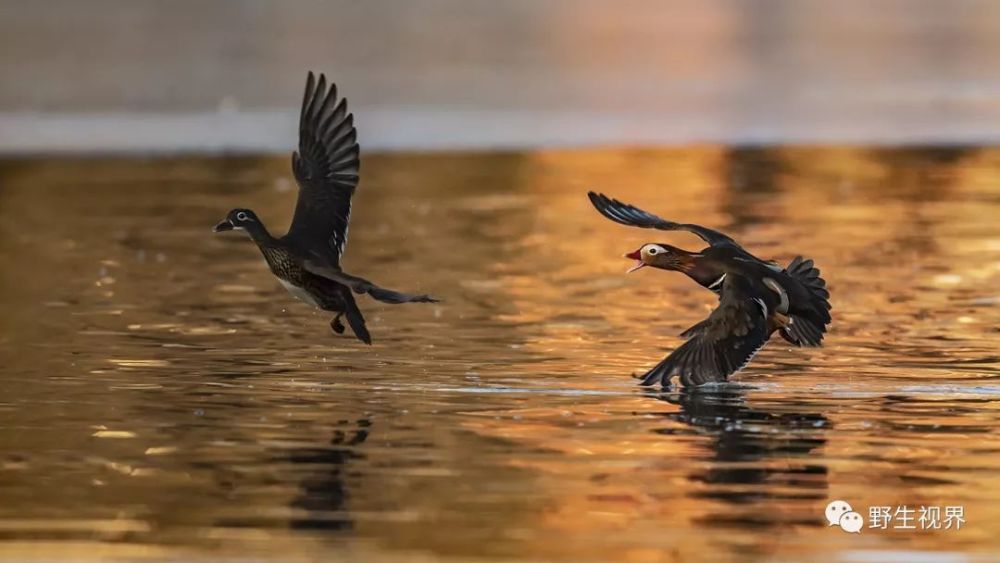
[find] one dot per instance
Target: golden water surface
(162, 396)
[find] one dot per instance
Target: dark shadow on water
(324, 495)
(756, 455)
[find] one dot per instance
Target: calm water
(163, 396)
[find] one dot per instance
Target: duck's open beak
(638, 261)
(223, 226)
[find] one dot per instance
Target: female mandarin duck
(756, 298)
(306, 260)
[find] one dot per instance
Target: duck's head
(661, 256)
(238, 219)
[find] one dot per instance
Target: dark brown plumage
(307, 259)
(756, 298)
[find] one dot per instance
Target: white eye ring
(652, 251)
(241, 216)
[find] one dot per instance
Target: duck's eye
(652, 251)
(241, 216)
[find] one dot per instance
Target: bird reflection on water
(159, 375)
(325, 494)
(741, 466)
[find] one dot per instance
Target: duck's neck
(706, 274)
(258, 232)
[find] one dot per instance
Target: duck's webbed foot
(336, 325)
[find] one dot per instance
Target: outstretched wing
(634, 217)
(326, 168)
(361, 285)
(721, 344)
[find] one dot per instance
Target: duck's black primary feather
(326, 167)
(696, 328)
(721, 344)
(632, 216)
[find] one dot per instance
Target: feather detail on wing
(360, 285)
(720, 345)
(326, 168)
(632, 216)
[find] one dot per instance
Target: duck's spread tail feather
(354, 317)
(808, 329)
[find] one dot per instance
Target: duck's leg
(336, 325)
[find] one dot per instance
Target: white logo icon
(835, 510)
(852, 522)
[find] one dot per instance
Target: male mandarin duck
(756, 298)
(306, 260)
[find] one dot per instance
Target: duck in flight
(756, 298)
(307, 259)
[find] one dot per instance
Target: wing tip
(597, 199)
(610, 208)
